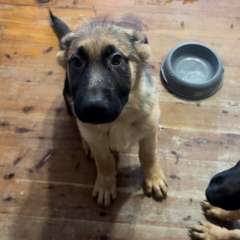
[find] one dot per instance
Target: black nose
(97, 105)
(94, 109)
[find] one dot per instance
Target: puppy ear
(65, 44)
(61, 59)
(140, 43)
(60, 28)
(133, 27)
(64, 35)
(67, 40)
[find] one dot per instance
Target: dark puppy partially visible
(224, 189)
(223, 195)
(113, 97)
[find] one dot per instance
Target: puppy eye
(116, 59)
(78, 62)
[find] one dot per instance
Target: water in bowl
(192, 69)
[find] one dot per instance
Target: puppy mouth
(99, 105)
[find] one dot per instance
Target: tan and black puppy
(223, 195)
(113, 98)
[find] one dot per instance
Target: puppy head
(102, 59)
(224, 189)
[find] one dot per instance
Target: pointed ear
(139, 41)
(64, 35)
(62, 53)
(67, 40)
(60, 28)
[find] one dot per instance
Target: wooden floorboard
(51, 228)
(46, 180)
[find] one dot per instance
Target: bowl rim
(212, 80)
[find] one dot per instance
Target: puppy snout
(97, 107)
(94, 108)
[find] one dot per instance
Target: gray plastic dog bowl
(192, 71)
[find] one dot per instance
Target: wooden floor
(46, 182)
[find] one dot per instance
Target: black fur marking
(81, 52)
(109, 50)
(80, 59)
(59, 27)
(99, 88)
(224, 189)
(66, 95)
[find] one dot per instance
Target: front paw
(105, 189)
(208, 231)
(155, 185)
(211, 211)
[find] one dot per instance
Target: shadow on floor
(62, 207)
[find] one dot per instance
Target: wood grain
(49, 191)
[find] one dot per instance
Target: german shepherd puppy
(223, 195)
(109, 90)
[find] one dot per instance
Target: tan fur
(218, 213)
(97, 36)
(209, 231)
(138, 121)
(135, 124)
(61, 58)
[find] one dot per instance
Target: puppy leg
(87, 150)
(155, 182)
(105, 185)
(218, 213)
(208, 231)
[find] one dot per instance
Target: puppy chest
(122, 137)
